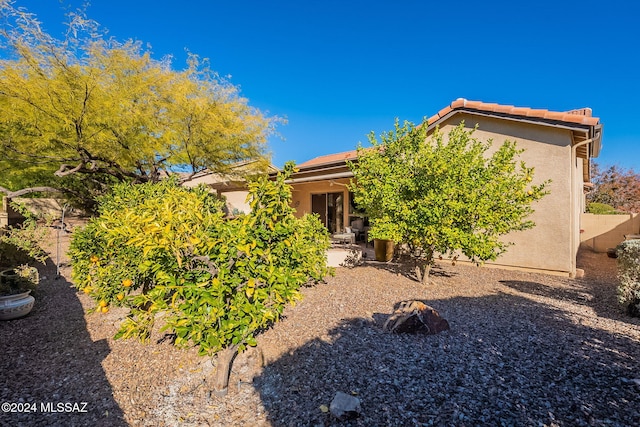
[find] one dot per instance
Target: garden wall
(7, 215)
(43, 206)
(599, 232)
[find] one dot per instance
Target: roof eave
(597, 141)
(518, 118)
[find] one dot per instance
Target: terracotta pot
(383, 249)
(14, 306)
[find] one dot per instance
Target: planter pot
(14, 306)
(383, 249)
(9, 277)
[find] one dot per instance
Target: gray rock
(345, 406)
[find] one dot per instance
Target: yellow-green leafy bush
(161, 248)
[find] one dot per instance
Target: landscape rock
(415, 317)
(344, 406)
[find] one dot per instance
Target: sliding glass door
(330, 208)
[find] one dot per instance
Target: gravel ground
(523, 349)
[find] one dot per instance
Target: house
(232, 186)
(559, 145)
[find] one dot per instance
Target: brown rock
(415, 317)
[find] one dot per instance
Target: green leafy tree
(102, 110)
(614, 186)
(165, 251)
(442, 195)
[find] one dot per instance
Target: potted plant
(384, 234)
(15, 286)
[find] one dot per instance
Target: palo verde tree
(442, 195)
(97, 111)
(166, 252)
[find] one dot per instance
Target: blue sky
(337, 70)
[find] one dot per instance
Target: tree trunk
(223, 369)
(423, 267)
(422, 270)
(425, 273)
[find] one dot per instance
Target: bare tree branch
(64, 171)
(10, 194)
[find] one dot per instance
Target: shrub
(629, 274)
(22, 244)
(161, 249)
(601, 209)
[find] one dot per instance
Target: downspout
(574, 156)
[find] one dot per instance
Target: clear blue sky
(338, 69)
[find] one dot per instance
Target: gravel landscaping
(524, 349)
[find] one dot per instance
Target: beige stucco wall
(601, 232)
(237, 200)
(301, 195)
(39, 206)
(42, 206)
(547, 246)
(553, 243)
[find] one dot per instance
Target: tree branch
(10, 194)
(64, 171)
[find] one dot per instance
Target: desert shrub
(629, 274)
(22, 244)
(601, 209)
(165, 249)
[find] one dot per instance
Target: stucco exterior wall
(601, 232)
(301, 195)
(237, 201)
(553, 243)
(547, 246)
(42, 206)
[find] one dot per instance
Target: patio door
(330, 208)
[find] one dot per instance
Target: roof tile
(474, 104)
(458, 103)
(535, 113)
(554, 115)
(444, 111)
(566, 117)
(519, 111)
(329, 158)
(433, 119)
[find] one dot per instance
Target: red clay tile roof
(330, 158)
(580, 116)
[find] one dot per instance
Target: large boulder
(415, 317)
